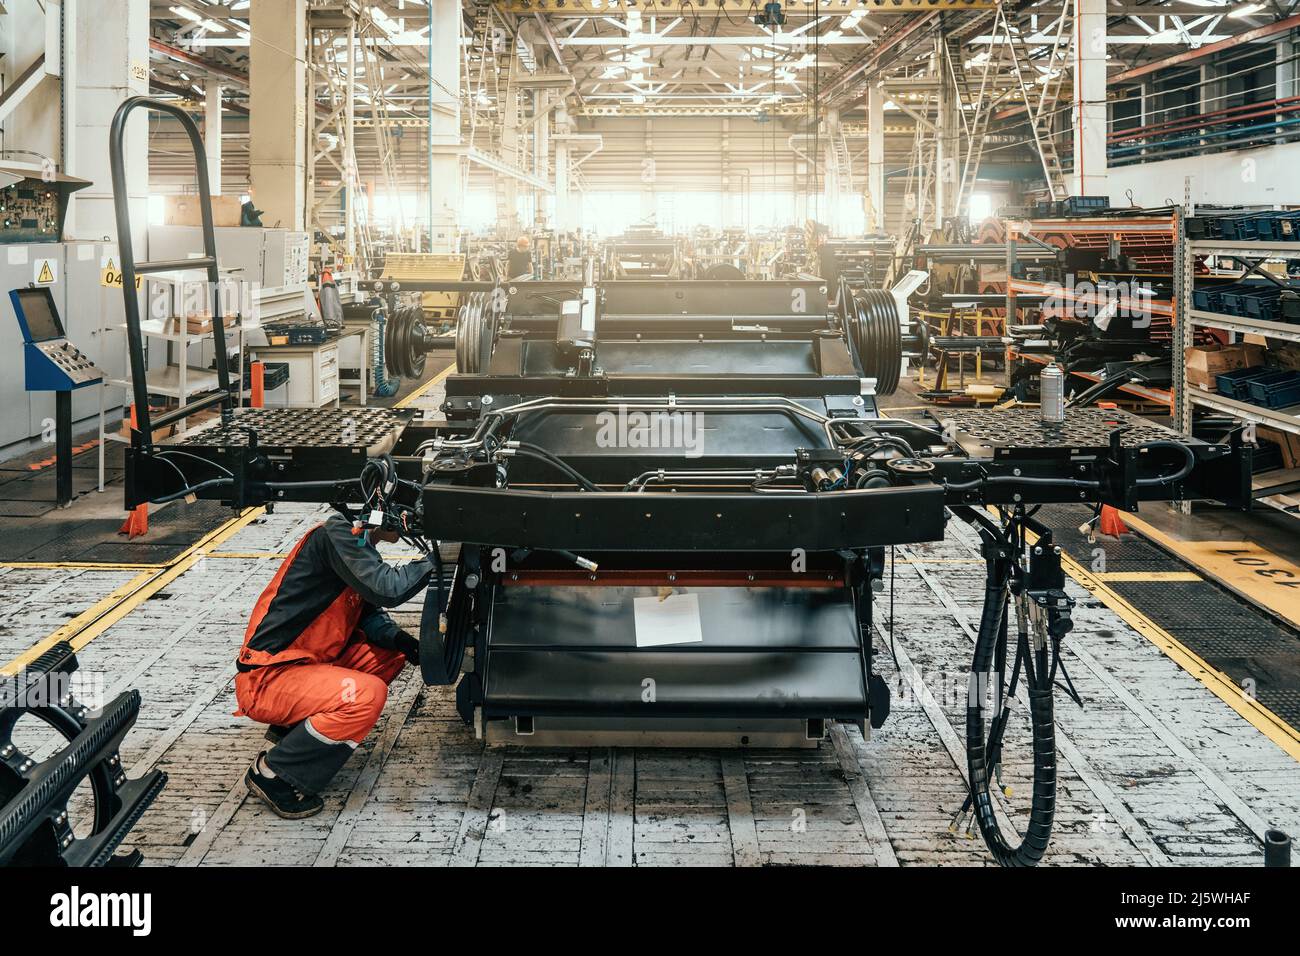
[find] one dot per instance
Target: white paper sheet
(674, 620)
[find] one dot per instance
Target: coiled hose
(984, 753)
(386, 386)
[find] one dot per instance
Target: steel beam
(1188, 56)
(732, 8)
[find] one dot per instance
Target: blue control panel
(53, 363)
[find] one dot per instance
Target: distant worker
(250, 215)
(318, 656)
(520, 261)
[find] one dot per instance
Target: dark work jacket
(519, 263)
(331, 585)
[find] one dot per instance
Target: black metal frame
(35, 826)
(145, 423)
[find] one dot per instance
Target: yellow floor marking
(1147, 576)
(1216, 681)
(90, 565)
(249, 555)
(427, 385)
(88, 625)
(97, 619)
(93, 613)
(1257, 574)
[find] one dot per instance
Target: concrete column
(541, 150)
(947, 172)
(1286, 73)
(876, 157)
(212, 136)
(277, 126)
(563, 214)
(113, 64)
(728, 194)
(444, 124)
(1089, 177)
(507, 187)
(649, 204)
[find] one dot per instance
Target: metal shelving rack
(1187, 320)
(1110, 227)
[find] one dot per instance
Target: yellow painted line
(248, 555)
(97, 619)
(1147, 576)
(427, 385)
(1216, 681)
(90, 565)
(83, 620)
(1220, 684)
(1267, 579)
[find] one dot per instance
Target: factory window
(1176, 95)
(1246, 77)
(981, 207)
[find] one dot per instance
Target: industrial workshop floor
(1168, 762)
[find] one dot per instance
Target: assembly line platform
(1176, 758)
(1157, 768)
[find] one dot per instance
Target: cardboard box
(184, 211)
(1203, 362)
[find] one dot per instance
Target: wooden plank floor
(1154, 769)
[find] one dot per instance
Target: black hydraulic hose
(1188, 464)
(193, 489)
(541, 454)
(979, 763)
(1020, 480)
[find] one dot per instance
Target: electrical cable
(981, 752)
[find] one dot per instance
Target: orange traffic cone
(1111, 523)
(137, 519)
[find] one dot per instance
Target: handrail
(126, 251)
(1216, 130)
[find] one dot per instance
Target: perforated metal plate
(368, 428)
(1083, 428)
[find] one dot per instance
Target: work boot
(282, 797)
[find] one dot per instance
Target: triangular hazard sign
(47, 274)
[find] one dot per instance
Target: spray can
(1051, 393)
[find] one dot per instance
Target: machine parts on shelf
(46, 816)
(1070, 206)
(34, 202)
(1245, 225)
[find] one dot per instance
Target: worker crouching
(318, 656)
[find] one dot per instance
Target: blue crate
(1277, 390)
(1233, 383)
(1239, 227)
(1279, 226)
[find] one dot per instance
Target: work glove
(409, 645)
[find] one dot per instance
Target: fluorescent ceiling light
(187, 13)
(1246, 11)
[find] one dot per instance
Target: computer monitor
(37, 313)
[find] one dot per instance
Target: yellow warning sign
(111, 276)
(45, 272)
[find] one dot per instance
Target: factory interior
(650, 433)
